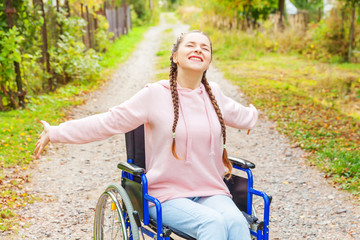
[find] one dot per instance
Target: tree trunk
(58, 12)
(9, 11)
(95, 20)
(319, 14)
(352, 28)
(88, 27)
(44, 48)
(83, 17)
(117, 31)
(67, 5)
(281, 9)
(125, 30)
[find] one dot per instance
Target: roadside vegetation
(314, 100)
(20, 128)
(20, 125)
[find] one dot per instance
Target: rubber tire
(123, 204)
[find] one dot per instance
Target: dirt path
(71, 177)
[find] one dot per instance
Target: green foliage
(170, 5)
(238, 14)
(140, 12)
(327, 40)
(311, 7)
(120, 50)
(70, 60)
(20, 128)
(343, 166)
(330, 37)
(102, 36)
(10, 52)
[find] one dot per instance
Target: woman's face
(194, 52)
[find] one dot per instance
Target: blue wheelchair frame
(262, 232)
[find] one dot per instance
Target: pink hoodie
(198, 136)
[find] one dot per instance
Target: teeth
(195, 58)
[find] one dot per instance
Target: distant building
(290, 8)
(328, 5)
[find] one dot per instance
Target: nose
(198, 49)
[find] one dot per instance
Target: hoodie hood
(185, 92)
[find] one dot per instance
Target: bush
(69, 59)
(10, 52)
(102, 36)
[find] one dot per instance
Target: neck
(189, 79)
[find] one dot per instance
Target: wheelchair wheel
(114, 215)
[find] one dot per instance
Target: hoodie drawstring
(212, 151)
(188, 138)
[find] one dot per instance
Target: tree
(10, 11)
(352, 4)
(281, 9)
(45, 52)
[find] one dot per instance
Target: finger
(39, 152)
(42, 134)
(37, 147)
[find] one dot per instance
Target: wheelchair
(122, 211)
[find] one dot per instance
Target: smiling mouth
(196, 58)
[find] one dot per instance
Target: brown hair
(175, 100)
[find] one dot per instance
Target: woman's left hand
(43, 140)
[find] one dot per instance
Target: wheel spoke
(112, 220)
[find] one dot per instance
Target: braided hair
(175, 100)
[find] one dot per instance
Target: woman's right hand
(43, 140)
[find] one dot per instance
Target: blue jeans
(205, 218)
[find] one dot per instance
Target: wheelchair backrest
(135, 150)
(135, 146)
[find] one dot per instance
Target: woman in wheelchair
(185, 139)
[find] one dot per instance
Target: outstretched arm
(120, 119)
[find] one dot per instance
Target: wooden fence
(119, 20)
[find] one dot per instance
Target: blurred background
(298, 61)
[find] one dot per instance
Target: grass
(19, 128)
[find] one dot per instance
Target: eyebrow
(202, 44)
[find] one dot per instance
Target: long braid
(225, 158)
(175, 100)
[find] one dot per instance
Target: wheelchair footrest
(166, 231)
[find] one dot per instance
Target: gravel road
(70, 178)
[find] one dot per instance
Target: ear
(175, 58)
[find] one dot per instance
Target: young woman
(186, 157)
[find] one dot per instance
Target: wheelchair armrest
(131, 168)
(241, 162)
